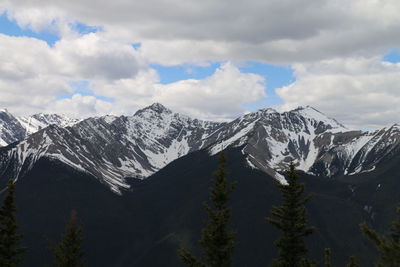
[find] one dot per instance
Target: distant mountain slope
(40, 121)
(274, 139)
(113, 148)
(13, 128)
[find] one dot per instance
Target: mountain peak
(309, 112)
(267, 110)
(305, 108)
(156, 107)
(314, 114)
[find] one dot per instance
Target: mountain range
(138, 181)
(115, 148)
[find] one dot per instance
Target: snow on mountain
(39, 121)
(311, 140)
(271, 139)
(112, 148)
(11, 129)
(316, 117)
(353, 152)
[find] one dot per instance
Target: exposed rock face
(40, 121)
(14, 128)
(112, 148)
(11, 129)
(354, 152)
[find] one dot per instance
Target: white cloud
(88, 56)
(35, 19)
(32, 80)
(360, 92)
(217, 97)
(80, 106)
(274, 31)
(334, 46)
(33, 75)
(91, 56)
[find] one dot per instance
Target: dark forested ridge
(150, 222)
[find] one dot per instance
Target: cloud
(35, 19)
(87, 56)
(360, 92)
(32, 80)
(335, 48)
(33, 74)
(80, 106)
(91, 56)
(217, 97)
(179, 31)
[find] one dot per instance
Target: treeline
(217, 240)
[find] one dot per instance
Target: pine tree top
(68, 252)
(291, 218)
(217, 242)
(10, 251)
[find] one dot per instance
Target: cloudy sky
(207, 59)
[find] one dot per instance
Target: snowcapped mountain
(317, 144)
(39, 121)
(13, 129)
(272, 139)
(113, 148)
(354, 152)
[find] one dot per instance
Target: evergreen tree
(291, 219)
(328, 257)
(352, 262)
(217, 242)
(388, 245)
(68, 253)
(10, 251)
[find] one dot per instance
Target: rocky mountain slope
(113, 148)
(40, 121)
(317, 144)
(13, 128)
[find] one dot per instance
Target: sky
(213, 60)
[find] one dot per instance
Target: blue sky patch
(11, 28)
(276, 76)
(393, 57)
(85, 29)
(136, 46)
(171, 74)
